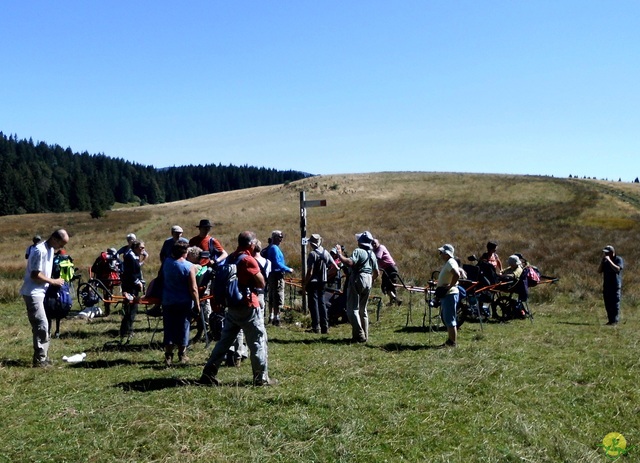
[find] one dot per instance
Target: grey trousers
(39, 327)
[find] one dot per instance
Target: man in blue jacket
(276, 277)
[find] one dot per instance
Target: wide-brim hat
(204, 223)
(315, 240)
(447, 249)
(365, 239)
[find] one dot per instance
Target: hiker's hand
(58, 282)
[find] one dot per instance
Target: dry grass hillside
(560, 225)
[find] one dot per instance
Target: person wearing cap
(212, 254)
(611, 266)
(448, 285)
(318, 263)
(363, 271)
(276, 278)
(514, 270)
(389, 270)
(167, 246)
(36, 240)
(37, 278)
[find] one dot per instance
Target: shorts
(448, 306)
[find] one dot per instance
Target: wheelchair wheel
(88, 296)
(503, 308)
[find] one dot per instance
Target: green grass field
(547, 391)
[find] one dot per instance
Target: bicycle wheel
(503, 308)
(88, 295)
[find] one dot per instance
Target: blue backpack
(58, 301)
(226, 288)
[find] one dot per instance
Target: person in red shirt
(213, 254)
(245, 316)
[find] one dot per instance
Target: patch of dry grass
(559, 224)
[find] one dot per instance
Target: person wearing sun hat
(448, 286)
(318, 263)
(364, 270)
(611, 266)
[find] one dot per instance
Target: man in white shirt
(37, 279)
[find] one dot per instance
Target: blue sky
(521, 87)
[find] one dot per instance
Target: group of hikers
(225, 292)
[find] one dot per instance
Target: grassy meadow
(547, 391)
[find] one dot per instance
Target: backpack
(226, 289)
(533, 275)
(265, 251)
(203, 278)
(58, 301)
(106, 268)
(320, 266)
(62, 267)
(67, 269)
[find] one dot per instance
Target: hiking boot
(46, 363)
(276, 321)
(266, 383)
(168, 360)
(208, 380)
(183, 359)
(448, 343)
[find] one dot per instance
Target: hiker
(448, 293)
(363, 270)
(179, 301)
(36, 241)
(244, 316)
(389, 270)
(131, 237)
(491, 256)
(513, 271)
(611, 266)
(37, 279)
(106, 268)
(265, 268)
(167, 246)
(212, 254)
(276, 277)
(132, 287)
(334, 276)
(318, 263)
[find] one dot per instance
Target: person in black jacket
(132, 287)
(611, 266)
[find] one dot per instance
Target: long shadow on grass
(157, 384)
(317, 340)
(15, 363)
(400, 347)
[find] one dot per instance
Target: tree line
(47, 178)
